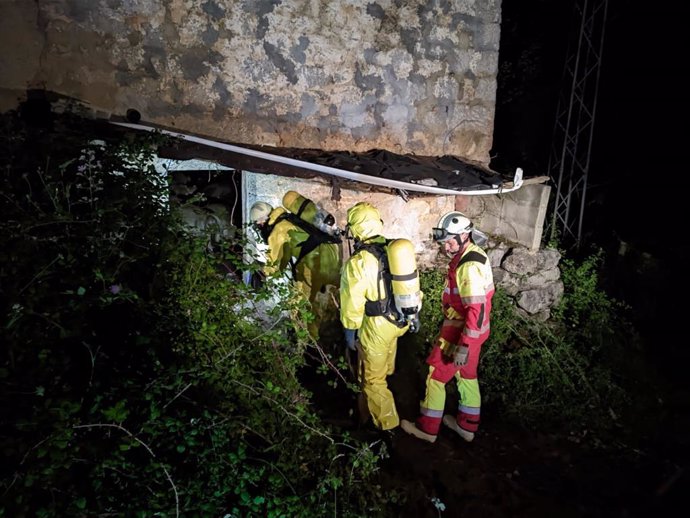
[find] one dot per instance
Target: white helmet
(451, 225)
(259, 211)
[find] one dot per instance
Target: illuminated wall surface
(412, 77)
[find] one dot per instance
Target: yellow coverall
(315, 272)
(377, 335)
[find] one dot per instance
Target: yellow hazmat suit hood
(275, 214)
(364, 221)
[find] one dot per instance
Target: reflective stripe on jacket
(467, 297)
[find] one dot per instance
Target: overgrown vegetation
(139, 376)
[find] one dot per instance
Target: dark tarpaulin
(446, 171)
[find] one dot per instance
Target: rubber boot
(452, 423)
(412, 429)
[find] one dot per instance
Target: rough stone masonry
(411, 77)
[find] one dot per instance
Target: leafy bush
(432, 282)
(567, 371)
(138, 378)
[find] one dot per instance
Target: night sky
(635, 211)
(635, 185)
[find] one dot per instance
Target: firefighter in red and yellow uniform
(361, 289)
(313, 273)
(466, 306)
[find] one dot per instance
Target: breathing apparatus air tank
(405, 280)
(309, 212)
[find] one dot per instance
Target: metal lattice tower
(571, 143)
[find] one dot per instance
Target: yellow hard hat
(364, 220)
(259, 211)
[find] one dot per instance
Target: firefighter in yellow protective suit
(360, 290)
(316, 273)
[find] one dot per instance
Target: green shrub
(567, 372)
(432, 282)
(137, 380)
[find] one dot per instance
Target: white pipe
(341, 173)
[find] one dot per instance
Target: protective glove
(448, 352)
(456, 354)
(257, 279)
(350, 339)
(415, 324)
(461, 355)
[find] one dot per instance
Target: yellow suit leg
(379, 339)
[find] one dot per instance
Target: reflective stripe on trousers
(440, 373)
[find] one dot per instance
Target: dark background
(636, 199)
(636, 178)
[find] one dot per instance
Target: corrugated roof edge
(517, 181)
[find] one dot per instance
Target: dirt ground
(509, 471)
(521, 473)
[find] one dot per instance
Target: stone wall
(531, 278)
(411, 77)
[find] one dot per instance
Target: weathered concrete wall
(517, 216)
(413, 219)
(412, 77)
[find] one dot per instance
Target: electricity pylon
(571, 143)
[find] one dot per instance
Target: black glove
(350, 339)
(257, 280)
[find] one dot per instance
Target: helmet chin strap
(460, 242)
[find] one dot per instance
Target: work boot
(452, 423)
(412, 429)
